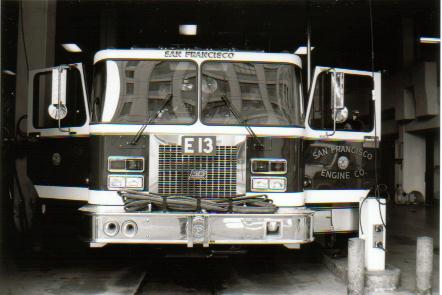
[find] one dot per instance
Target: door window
(42, 99)
(358, 103)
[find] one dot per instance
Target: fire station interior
(399, 39)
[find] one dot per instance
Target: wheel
(26, 208)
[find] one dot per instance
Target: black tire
(26, 209)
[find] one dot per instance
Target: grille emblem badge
(198, 174)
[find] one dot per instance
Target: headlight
(115, 182)
(269, 184)
(268, 166)
(125, 164)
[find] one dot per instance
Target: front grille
(175, 169)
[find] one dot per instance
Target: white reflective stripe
(104, 198)
(283, 199)
(62, 192)
(161, 54)
(197, 129)
(338, 135)
(112, 91)
(335, 196)
(280, 199)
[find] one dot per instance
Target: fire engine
(203, 147)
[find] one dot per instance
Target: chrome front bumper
(112, 225)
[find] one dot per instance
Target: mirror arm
(334, 123)
(60, 68)
(337, 96)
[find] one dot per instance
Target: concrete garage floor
(71, 268)
(259, 272)
(404, 225)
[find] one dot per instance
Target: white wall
(413, 164)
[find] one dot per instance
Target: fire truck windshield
(144, 87)
(265, 94)
(131, 91)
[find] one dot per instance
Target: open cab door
(57, 102)
(58, 121)
(343, 127)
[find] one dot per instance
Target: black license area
(198, 145)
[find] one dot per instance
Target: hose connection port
(129, 228)
(111, 228)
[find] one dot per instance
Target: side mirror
(340, 112)
(337, 84)
(57, 109)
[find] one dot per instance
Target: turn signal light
(269, 184)
(116, 182)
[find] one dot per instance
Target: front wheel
(26, 208)
(335, 244)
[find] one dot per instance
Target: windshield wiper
(241, 121)
(137, 136)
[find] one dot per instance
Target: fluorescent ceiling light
(188, 30)
(302, 50)
(71, 47)
(8, 72)
(429, 40)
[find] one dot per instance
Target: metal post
(373, 231)
(356, 266)
(309, 51)
(424, 265)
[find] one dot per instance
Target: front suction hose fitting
(129, 228)
(111, 228)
